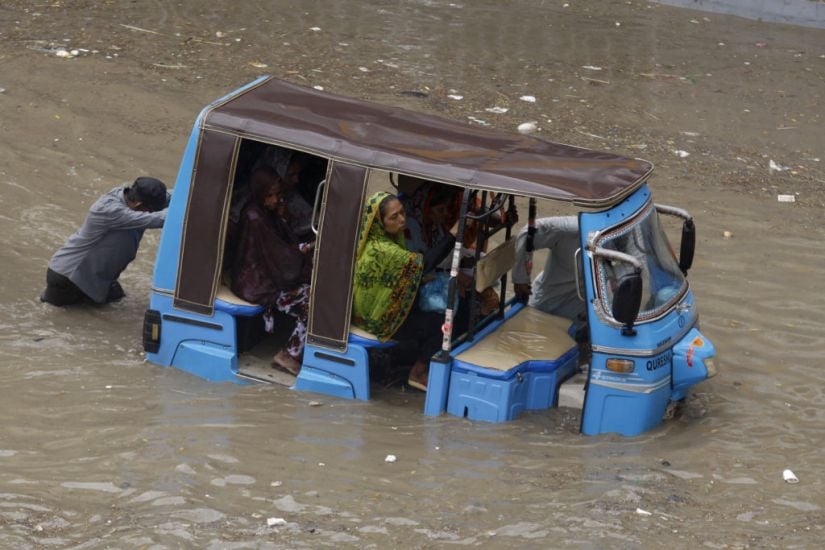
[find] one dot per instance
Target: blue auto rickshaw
(642, 324)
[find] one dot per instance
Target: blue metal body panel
(634, 402)
(491, 395)
(689, 367)
(201, 345)
(340, 374)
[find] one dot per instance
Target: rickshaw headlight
(710, 365)
(620, 365)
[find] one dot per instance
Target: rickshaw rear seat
(361, 337)
(517, 365)
(229, 302)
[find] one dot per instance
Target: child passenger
(289, 165)
(271, 266)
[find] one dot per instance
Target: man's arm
(116, 216)
(545, 237)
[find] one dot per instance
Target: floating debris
(786, 198)
(258, 65)
(390, 458)
(528, 98)
(789, 477)
(63, 53)
(643, 512)
(496, 110)
(478, 120)
(314, 403)
(363, 69)
(275, 522)
(527, 127)
(319, 88)
(456, 97)
(774, 167)
(413, 93)
(591, 68)
(315, 29)
(176, 66)
(588, 134)
(727, 234)
(680, 153)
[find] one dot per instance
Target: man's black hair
(149, 191)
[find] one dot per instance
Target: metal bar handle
(495, 205)
(577, 260)
(318, 192)
(673, 211)
(618, 256)
(452, 292)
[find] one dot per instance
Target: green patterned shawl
(386, 275)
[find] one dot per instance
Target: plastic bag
(433, 294)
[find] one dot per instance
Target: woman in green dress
(387, 279)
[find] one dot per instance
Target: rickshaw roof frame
(399, 140)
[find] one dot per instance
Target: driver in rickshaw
(554, 289)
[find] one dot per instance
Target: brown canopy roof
(434, 148)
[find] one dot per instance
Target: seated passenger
(387, 277)
(288, 165)
(271, 266)
(432, 209)
(554, 290)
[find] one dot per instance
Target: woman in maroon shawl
(271, 267)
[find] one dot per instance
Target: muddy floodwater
(99, 449)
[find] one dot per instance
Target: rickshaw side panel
(201, 345)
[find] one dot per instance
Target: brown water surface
(99, 449)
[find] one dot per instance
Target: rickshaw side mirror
(627, 299)
(688, 246)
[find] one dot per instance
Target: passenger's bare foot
(286, 362)
(418, 376)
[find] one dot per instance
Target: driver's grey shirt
(108, 240)
(554, 289)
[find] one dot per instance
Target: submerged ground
(99, 449)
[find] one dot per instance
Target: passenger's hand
(523, 291)
(454, 228)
